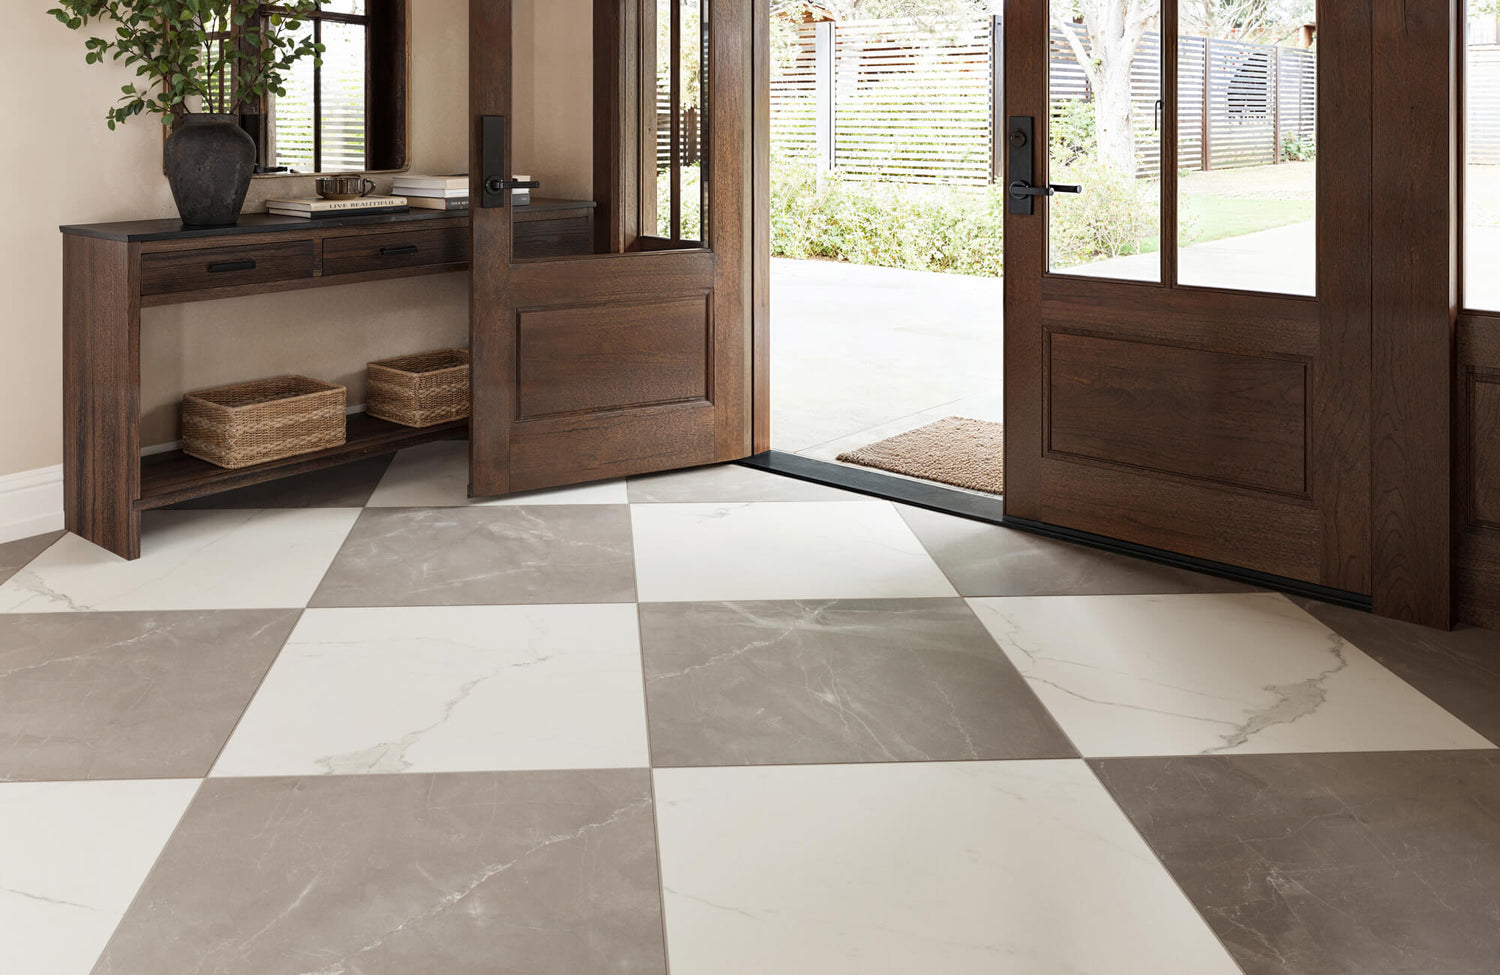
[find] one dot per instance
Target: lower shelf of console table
(174, 477)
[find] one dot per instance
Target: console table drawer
(171, 272)
(382, 252)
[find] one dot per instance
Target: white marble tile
(436, 475)
(72, 856)
(448, 689)
(784, 550)
(1209, 674)
(247, 559)
(963, 869)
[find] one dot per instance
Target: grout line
(253, 695)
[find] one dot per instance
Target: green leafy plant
(1296, 147)
(217, 54)
(1115, 215)
(953, 229)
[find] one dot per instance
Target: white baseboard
(31, 503)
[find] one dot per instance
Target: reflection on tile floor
(455, 737)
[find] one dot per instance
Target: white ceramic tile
(436, 475)
(963, 869)
(248, 559)
(72, 856)
(1205, 674)
(785, 550)
(447, 689)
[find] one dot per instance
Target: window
(676, 132)
(347, 114)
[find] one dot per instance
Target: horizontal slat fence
(1482, 104)
(916, 105)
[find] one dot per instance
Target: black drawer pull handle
(396, 251)
(228, 266)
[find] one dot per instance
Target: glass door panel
(1247, 86)
(1482, 156)
(1104, 135)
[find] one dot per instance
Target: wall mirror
(351, 112)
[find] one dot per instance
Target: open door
(1187, 339)
(633, 355)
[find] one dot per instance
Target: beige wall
(64, 166)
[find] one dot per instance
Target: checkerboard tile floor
(715, 722)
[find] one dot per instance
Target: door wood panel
(1237, 420)
(1484, 449)
(613, 356)
(627, 362)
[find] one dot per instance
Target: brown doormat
(954, 450)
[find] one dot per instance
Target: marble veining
(1208, 674)
(484, 556)
(367, 691)
(128, 695)
(72, 855)
(15, 555)
(1334, 864)
(552, 873)
(240, 559)
(834, 681)
(920, 867)
(782, 550)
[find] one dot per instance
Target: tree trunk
(1114, 115)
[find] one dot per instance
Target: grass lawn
(1218, 217)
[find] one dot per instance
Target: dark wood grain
(376, 252)
(1226, 425)
(1240, 421)
(1476, 569)
(174, 477)
(1483, 422)
(555, 237)
(210, 267)
(1415, 297)
(102, 392)
(613, 356)
(596, 446)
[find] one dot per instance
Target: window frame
(388, 54)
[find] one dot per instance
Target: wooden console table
(111, 271)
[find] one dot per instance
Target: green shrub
(1298, 148)
(921, 228)
(1115, 215)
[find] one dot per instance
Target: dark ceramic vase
(209, 163)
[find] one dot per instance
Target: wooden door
(635, 358)
(1206, 392)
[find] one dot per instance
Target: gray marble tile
(484, 556)
(726, 483)
(548, 873)
(1350, 864)
(780, 683)
(128, 695)
(987, 560)
(346, 486)
(14, 556)
(1460, 670)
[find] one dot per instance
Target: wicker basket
(420, 390)
(253, 423)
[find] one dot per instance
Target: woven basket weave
(420, 390)
(253, 423)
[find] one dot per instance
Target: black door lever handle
(1020, 190)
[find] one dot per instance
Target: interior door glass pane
(1482, 151)
(1247, 143)
(674, 207)
(1105, 84)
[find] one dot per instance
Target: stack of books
(314, 207)
(435, 192)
